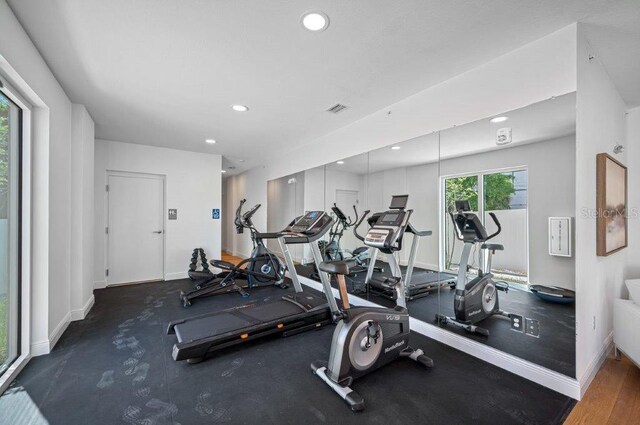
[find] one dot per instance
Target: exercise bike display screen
(389, 219)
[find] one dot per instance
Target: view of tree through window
(504, 193)
(9, 172)
(4, 178)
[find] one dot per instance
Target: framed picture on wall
(611, 200)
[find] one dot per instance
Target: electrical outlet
(517, 322)
(532, 327)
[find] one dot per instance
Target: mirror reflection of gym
(516, 174)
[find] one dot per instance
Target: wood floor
(613, 397)
(226, 256)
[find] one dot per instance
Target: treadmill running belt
(272, 311)
(428, 276)
(192, 330)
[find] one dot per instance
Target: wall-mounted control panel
(560, 236)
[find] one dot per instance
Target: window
(505, 194)
(10, 135)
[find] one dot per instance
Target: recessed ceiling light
(395, 148)
(241, 160)
(223, 171)
(499, 119)
(340, 162)
(315, 21)
(240, 108)
(210, 141)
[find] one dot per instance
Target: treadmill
(291, 314)
(418, 283)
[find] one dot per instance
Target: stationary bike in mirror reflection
(478, 299)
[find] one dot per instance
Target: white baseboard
(81, 313)
(531, 371)
(99, 284)
(59, 330)
(40, 348)
(45, 346)
(176, 276)
(594, 366)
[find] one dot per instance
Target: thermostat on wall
(560, 236)
(503, 136)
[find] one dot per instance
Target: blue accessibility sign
(215, 213)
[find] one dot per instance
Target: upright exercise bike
(478, 299)
(367, 338)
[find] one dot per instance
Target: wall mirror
(407, 168)
(507, 200)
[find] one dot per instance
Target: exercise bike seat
(337, 267)
(492, 246)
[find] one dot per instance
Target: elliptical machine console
(367, 338)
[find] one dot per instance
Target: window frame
(24, 232)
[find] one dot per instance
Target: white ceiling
(166, 72)
(541, 121)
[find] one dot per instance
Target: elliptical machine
(262, 268)
(367, 338)
(478, 299)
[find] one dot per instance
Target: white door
(135, 232)
(345, 200)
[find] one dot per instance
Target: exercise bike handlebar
(497, 222)
(360, 220)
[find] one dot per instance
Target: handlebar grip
(497, 222)
(355, 228)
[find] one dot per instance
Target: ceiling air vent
(337, 108)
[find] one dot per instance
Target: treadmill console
(305, 223)
(387, 231)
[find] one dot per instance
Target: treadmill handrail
(417, 232)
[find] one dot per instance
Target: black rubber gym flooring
(554, 348)
(116, 367)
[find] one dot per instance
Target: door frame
(24, 222)
(133, 174)
(479, 173)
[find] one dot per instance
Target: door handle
(158, 231)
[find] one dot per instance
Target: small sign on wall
(215, 213)
(173, 214)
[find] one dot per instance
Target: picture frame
(611, 205)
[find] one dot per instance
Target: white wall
(532, 73)
(285, 202)
(549, 163)
(52, 167)
(251, 185)
(82, 212)
(633, 162)
(599, 280)
(193, 186)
